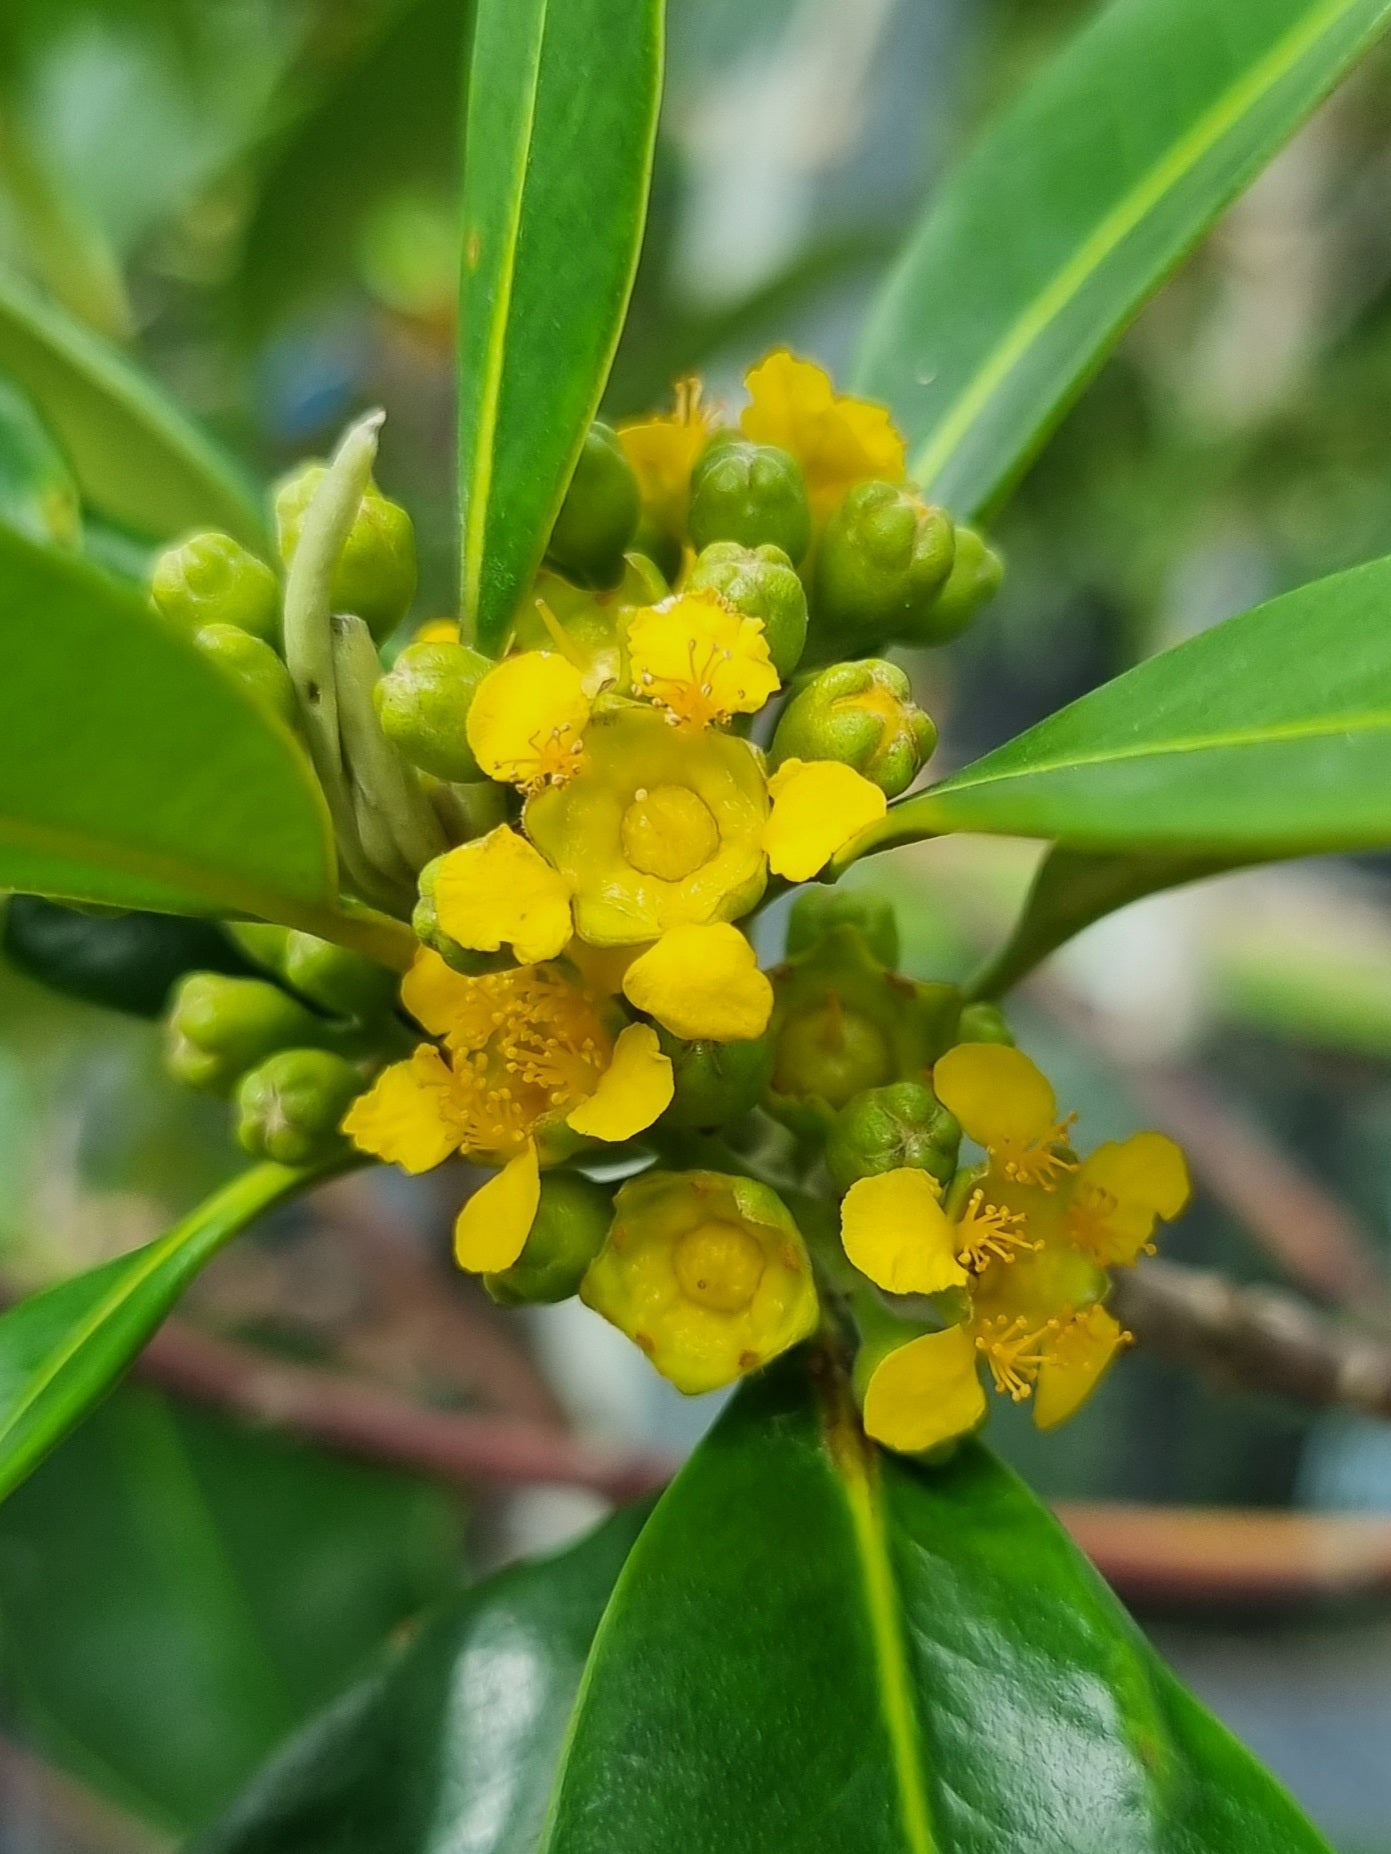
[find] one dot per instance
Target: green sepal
(973, 581)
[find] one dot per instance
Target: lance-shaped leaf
(1267, 736)
(810, 1646)
(137, 458)
(61, 1350)
(1071, 210)
(562, 113)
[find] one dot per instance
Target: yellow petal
(663, 453)
(435, 994)
(1077, 1359)
(700, 659)
(838, 440)
(895, 1231)
(925, 1393)
(499, 888)
(702, 982)
(401, 1118)
(438, 631)
(526, 719)
(634, 1089)
(998, 1095)
(490, 1231)
(818, 806)
(1120, 1191)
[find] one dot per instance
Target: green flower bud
(716, 1083)
(983, 1023)
(341, 982)
(423, 703)
(425, 925)
(750, 493)
(212, 579)
(888, 1129)
(864, 715)
(375, 576)
(218, 1028)
(759, 582)
(599, 515)
(567, 1232)
(974, 579)
(883, 560)
(290, 1107)
(261, 941)
(252, 664)
(818, 911)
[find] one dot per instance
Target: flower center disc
(669, 832)
(719, 1266)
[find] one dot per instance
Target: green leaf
(1267, 736)
(136, 457)
(220, 1583)
(123, 962)
(810, 1646)
(61, 1350)
(37, 494)
(131, 771)
(1071, 210)
(561, 121)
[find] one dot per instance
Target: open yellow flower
(699, 659)
(662, 828)
(925, 1392)
(702, 982)
(527, 718)
(895, 1231)
(663, 452)
(838, 440)
(1007, 1105)
(818, 806)
(498, 891)
(708, 1274)
(1120, 1192)
(1080, 1352)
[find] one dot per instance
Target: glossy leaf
(137, 458)
(1267, 736)
(1071, 210)
(234, 1580)
(61, 1350)
(131, 772)
(122, 962)
(37, 494)
(561, 118)
(810, 1646)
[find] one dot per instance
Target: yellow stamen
(1015, 1352)
(1036, 1161)
(989, 1232)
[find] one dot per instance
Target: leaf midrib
(1106, 237)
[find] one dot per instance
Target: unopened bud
(883, 560)
(820, 910)
(218, 1028)
(715, 1083)
(423, 703)
(750, 493)
(890, 1129)
(759, 582)
(253, 666)
(864, 715)
(376, 572)
(572, 1219)
(983, 1023)
(212, 579)
(344, 983)
(599, 515)
(290, 1107)
(974, 580)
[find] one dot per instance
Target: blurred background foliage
(257, 198)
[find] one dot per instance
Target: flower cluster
(582, 832)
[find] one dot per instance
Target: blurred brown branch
(40, 1806)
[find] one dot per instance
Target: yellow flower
(526, 720)
(838, 440)
(1006, 1105)
(661, 829)
(663, 453)
(707, 1274)
(896, 1232)
(699, 659)
(1120, 1191)
(1081, 1350)
(925, 1392)
(702, 982)
(498, 890)
(818, 806)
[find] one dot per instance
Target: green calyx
(290, 1107)
(882, 562)
(819, 910)
(973, 581)
(217, 1028)
(212, 579)
(599, 515)
(901, 1126)
(864, 715)
(572, 1219)
(761, 583)
(251, 663)
(715, 1083)
(750, 493)
(375, 576)
(423, 701)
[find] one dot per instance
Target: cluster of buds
(582, 833)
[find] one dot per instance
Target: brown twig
(35, 1796)
(361, 1419)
